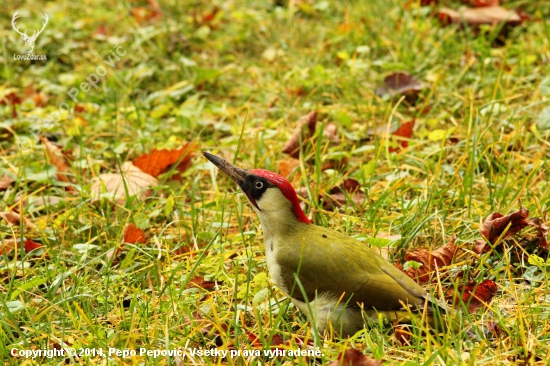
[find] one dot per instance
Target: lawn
(176, 273)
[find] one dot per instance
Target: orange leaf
(133, 235)
(160, 161)
(403, 132)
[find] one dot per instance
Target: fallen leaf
(14, 219)
(496, 223)
(11, 98)
(32, 245)
(305, 129)
(7, 246)
(5, 182)
(39, 98)
(29, 245)
(477, 294)
(353, 357)
(147, 14)
(45, 201)
(542, 231)
(481, 246)
(331, 131)
(400, 83)
(286, 167)
(480, 16)
(403, 133)
(482, 3)
(338, 197)
(430, 261)
(133, 235)
(202, 283)
(158, 162)
(402, 332)
(57, 159)
(137, 182)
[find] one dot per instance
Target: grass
(256, 68)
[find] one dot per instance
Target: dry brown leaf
(404, 132)
(480, 16)
(338, 197)
(430, 261)
(496, 223)
(12, 99)
(202, 283)
(542, 231)
(5, 182)
(14, 219)
(400, 83)
(305, 129)
(7, 246)
(402, 332)
(477, 294)
(354, 357)
(137, 182)
(57, 159)
(331, 131)
(158, 162)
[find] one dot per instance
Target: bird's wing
(349, 271)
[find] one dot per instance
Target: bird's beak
(234, 172)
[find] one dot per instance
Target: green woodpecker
(340, 277)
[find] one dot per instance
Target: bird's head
(270, 194)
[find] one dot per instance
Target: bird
(336, 280)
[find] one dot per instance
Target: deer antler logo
(29, 40)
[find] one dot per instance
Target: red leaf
(478, 294)
(31, 245)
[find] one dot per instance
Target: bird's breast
(274, 268)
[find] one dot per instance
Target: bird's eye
(258, 184)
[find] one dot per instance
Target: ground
(234, 78)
